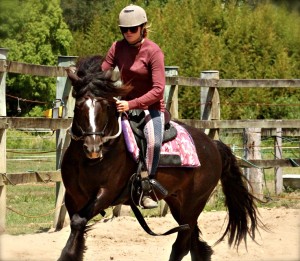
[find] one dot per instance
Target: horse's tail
(240, 202)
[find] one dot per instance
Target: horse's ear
(114, 76)
(71, 74)
(108, 74)
(76, 81)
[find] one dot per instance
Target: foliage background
(34, 31)
(242, 39)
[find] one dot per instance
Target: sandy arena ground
(122, 239)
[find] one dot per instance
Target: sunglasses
(132, 29)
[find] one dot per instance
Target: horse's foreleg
(75, 247)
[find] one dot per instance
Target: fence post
(171, 92)
(210, 102)
(171, 100)
(278, 155)
(255, 175)
(3, 55)
(63, 97)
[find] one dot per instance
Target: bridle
(97, 133)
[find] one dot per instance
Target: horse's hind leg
(74, 249)
(181, 246)
(189, 241)
(200, 250)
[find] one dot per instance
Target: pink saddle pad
(182, 146)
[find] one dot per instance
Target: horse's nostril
(86, 148)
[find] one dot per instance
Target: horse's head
(96, 120)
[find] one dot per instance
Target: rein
(147, 229)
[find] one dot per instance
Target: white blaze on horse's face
(92, 142)
(91, 104)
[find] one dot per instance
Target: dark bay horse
(97, 167)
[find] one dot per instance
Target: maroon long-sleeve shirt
(143, 68)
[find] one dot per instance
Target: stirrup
(145, 200)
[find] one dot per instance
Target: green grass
(30, 151)
(34, 204)
(18, 166)
(30, 206)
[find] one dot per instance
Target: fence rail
(290, 127)
(233, 83)
(32, 69)
(55, 176)
(59, 71)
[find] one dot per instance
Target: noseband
(86, 133)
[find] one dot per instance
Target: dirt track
(122, 239)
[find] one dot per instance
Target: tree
(101, 32)
(240, 38)
(259, 44)
(79, 14)
(34, 32)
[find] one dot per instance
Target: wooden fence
(210, 121)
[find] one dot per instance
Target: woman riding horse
(141, 64)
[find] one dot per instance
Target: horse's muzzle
(93, 153)
(93, 149)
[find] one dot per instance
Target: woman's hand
(122, 106)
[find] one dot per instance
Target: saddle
(178, 149)
(136, 119)
(137, 122)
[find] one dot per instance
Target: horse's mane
(91, 79)
(88, 65)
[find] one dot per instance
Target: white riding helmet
(132, 15)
